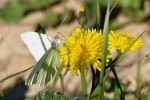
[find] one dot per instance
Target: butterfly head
(57, 42)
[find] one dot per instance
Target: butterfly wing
(32, 79)
(49, 67)
(47, 63)
(45, 68)
(37, 43)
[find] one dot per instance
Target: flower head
(82, 48)
(121, 41)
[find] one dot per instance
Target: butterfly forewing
(37, 43)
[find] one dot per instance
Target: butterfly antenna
(61, 24)
(60, 34)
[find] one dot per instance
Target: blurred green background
(15, 10)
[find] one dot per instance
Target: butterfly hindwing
(45, 68)
(32, 79)
(49, 67)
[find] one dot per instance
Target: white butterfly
(45, 51)
(37, 43)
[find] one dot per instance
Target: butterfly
(45, 51)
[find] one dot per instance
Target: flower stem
(83, 82)
(62, 85)
(56, 77)
(138, 76)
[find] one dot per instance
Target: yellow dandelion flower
(121, 41)
(82, 48)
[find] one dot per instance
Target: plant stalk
(104, 53)
(83, 82)
(56, 77)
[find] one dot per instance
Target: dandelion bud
(82, 8)
(82, 16)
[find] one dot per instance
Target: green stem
(138, 77)
(118, 84)
(83, 82)
(10, 76)
(62, 85)
(56, 77)
(93, 81)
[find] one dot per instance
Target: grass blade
(118, 84)
(104, 52)
(148, 95)
(122, 55)
(15, 74)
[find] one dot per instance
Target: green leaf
(95, 80)
(38, 4)
(49, 95)
(119, 59)
(51, 20)
(132, 9)
(13, 11)
(104, 51)
(148, 95)
(1, 95)
(123, 54)
(118, 83)
(45, 68)
(95, 94)
(116, 93)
